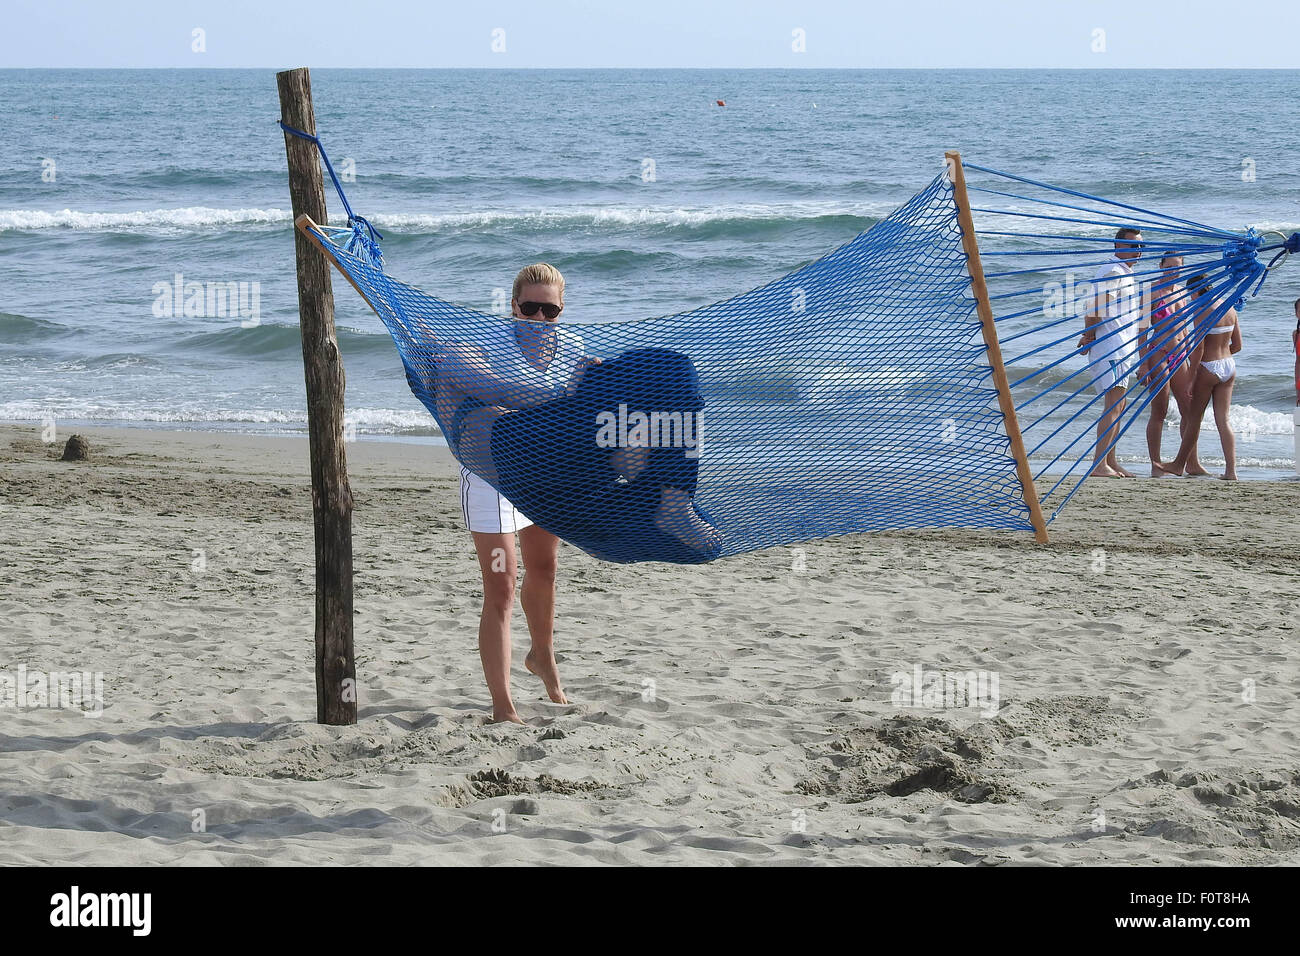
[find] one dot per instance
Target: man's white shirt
(1121, 316)
(506, 358)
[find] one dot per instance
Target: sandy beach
(1142, 672)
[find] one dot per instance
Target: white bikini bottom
(1223, 369)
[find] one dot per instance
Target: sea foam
(202, 217)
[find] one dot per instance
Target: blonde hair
(539, 273)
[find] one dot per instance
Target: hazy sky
(651, 33)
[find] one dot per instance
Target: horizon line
(864, 69)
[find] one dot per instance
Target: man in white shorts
(554, 352)
(1110, 340)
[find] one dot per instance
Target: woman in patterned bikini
(1168, 353)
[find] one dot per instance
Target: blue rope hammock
(858, 393)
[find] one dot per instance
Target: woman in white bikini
(1215, 376)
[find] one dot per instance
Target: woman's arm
(466, 368)
(1235, 345)
(1146, 333)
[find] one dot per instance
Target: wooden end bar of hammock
(307, 226)
(975, 268)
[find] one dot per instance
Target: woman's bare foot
(1104, 471)
(1158, 470)
(506, 716)
(1196, 469)
(1173, 469)
(549, 672)
(677, 517)
(1229, 476)
(1124, 472)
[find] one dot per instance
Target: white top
(504, 350)
(1122, 315)
(510, 367)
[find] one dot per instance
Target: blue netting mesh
(852, 395)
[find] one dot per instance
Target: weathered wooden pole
(331, 497)
(979, 289)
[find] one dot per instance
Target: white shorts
(1112, 373)
(486, 509)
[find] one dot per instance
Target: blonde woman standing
(544, 358)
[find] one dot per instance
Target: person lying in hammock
(551, 450)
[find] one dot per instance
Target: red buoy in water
(722, 102)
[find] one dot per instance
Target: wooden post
(331, 497)
(975, 268)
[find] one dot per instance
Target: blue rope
(1108, 223)
(1106, 240)
(364, 241)
(1112, 223)
(1286, 248)
(1109, 202)
(1290, 247)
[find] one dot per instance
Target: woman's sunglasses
(549, 309)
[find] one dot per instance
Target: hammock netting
(855, 394)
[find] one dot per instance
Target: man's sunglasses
(549, 309)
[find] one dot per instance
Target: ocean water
(115, 183)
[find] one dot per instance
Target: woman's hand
(579, 370)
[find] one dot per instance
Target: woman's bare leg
(1222, 403)
(1202, 388)
(497, 563)
(1184, 382)
(677, 516)
(1156, 428)
(540, 554)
